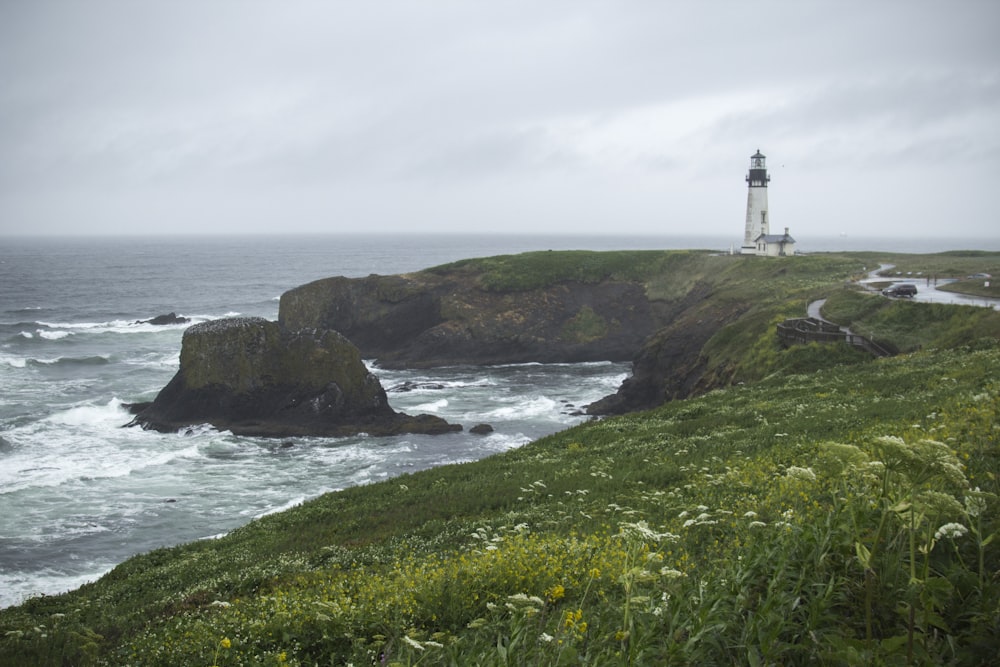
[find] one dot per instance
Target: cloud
(569, 115)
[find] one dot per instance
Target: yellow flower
(554, 593)
(225, 643)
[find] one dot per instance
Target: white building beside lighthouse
(757, 237)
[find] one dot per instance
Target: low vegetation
(533, 270)
(910, 325)
(840, 516)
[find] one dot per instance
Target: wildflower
(951, 531)
(805, 474)
(975, 503)
(225, 643)
(413, 642)
(556, 592)
(545, 637)
(670, 573)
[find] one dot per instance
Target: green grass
(974, 287)
(533, 270)
(911, 325)
(951, 264)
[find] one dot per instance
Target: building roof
(775, 238)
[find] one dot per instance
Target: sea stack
(253, 377)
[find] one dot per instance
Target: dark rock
(440, 318)
(410, 385)
(252, 377)
(481, 429)
(169, 318)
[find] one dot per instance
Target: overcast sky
(877, 117)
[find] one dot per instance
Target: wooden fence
(803, 330)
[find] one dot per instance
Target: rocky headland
(254, 377)
(653, 308)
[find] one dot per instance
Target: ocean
(79, 493)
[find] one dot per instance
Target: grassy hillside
(839, 510)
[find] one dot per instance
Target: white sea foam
(27, 334)
(15, 588)
(131, 326)
(434, 406)
(53, 335)
(294, 502)
(523, 409)
(13, 362)
(81, 444)
(90, 415)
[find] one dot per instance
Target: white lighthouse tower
(758, 222)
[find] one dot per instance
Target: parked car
(904, 290)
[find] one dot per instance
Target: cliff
(547, 307)
(659, 309)
(254, 377)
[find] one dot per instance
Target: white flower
(975, 504)
(545, 637)
(951, 531)
(805, 474)
(413, 642)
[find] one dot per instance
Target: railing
(810, 330)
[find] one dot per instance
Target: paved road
(929, 293)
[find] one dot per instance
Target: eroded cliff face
(424, 320)
(671, 364)
(435, 318)
(254, 377)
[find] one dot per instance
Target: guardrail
(802, 330)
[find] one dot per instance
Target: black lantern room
(757, 178)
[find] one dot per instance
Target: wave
(96, 360)
(129, 326)
(13, 362)
(53, 335)
(17, 588)
(523, 409)
(433, 406)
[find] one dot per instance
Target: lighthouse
(758, 222)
